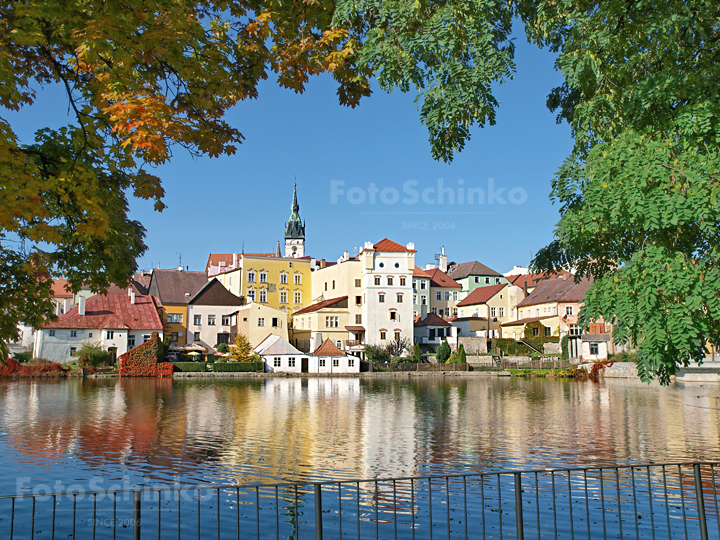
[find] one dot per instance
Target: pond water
(149, 432)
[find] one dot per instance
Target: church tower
(295, 231)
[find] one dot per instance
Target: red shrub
(12, 368)
(142, 361)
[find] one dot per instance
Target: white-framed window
(283, 297)
(276, 361)
(146, 338)
(261, 321)
(381, 298)
(414, 299)
(477, 279)
(251, 295)
(73, 351)
(338, 344)
(332, 322)
(196, 336)
(298, 297)
(351, 362)
(594, 349)
(262, 296)
(399, 298)
(554, 310)
(397, 336)
(175, 318)
(110, 334)
(283, 278)
(358, 318)
(434, 310)
(497, 281)
(322, 362)
(226, 320)
(568, 310)
(423, 284)
(251, 276)
(487, 281)
(263, 277)
(537, 312)
(423, 300)
(501, 311)
(402, 281)
(454, 312)
(455, 296)
(447, 296)
(197, 320)
(291, 362)
(377, 280)
(574, 330)
(131, 341)
(336, 362)
(298, 279)
(211, 320)
(438, 295)
(358, 282)
(73, 333)
(390, 280)
(493, 311)
(447, 311)
(383, 335)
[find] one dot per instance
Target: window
(493, 311)
(196, 336)
(554, 310)
(447, 296)
(423, 300)
(423, 285)
(574, 330)
(251, 276)
(146, 338)
(393, 315)
(89, 334)
(333, 284)
(501, 311)
(487, 281)
(262, 296)
(447, 311)
(110, 334)
(261, 321)
(223, 337)
(283, 297)
(290, 263)
(322, 362)
(402, 281)
(381, 298)
(211, 320)
(434, 310)
(175, 318)
(399, 298)
(276, 361)
(594, 349)
(197, 320)
(298, 297)
(358, 300)
(332, 322)
(548, 331)
(454, 312)
(377, 280)
(382, 335)
(174, 337)
(397, 336)
(73, 351)
(414, 299)
(358, 283)
(131, 342)
(438, 295)
(497, 281)
(477, 279)
(455, 296)
(390, 280)
(351, 362)
(336, 362)
(251, 295)
(73, 333)
(263, 277)
(298, 279)
(326, 285)
(291, 362)
(536, 331)
(358, 319)
(283, 278)
(537, 312)
(568, 310)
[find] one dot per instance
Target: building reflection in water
(280, 429)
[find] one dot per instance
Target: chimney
(81, 306)
(410, 246)
(132, 297)
(442, 260)
(67, 305)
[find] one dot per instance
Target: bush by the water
(93, 355)
(443, 353)
(189, 366)
(238, 366)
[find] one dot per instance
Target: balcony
(353, 343)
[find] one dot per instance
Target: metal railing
(636, 501)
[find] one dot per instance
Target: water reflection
(162, 431)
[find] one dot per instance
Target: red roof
(438, 278)
(531, 280)
(328, 349)
(527, 320)
(419, 272)
(481, 295)
(115, 312)
(320, 305)
(355, 328)
(388, 245)
(59, 290)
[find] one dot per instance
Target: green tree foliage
(377, 354)
(417, 354)
(93, 354)
(443, 353)
(461, 358)
(639, 194)
(223, 348)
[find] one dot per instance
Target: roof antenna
(243, 248)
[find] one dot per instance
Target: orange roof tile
(59, 290)
(328, 349)
(481, 295)
(438, 278)
(113, 311)
(388, 245)
(320, 305)
(419, 272)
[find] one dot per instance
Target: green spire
(295, 228)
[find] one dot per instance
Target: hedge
(142, 361)
(237, 366)
(189, 366)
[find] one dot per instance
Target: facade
(212, 316)
(473, 275)
(294, 231)
(444, 294)
(387, 269)
(258, 321)
(421, 292)
(432, 330)
(327, 319)
(175, 288)
(117, 322)
(528, 281)
(327, 358)
(496, 304)
(280, 356)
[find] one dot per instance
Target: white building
(387, 304)
(280, 356)
(327, 358)
(212, 315)
(118, 322)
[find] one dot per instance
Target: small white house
(327, 358)
(280, 356)
(118, 322)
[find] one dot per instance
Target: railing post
(318, 512)
(136, 515)
(700, 503)
(518, 506)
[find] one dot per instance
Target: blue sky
(217, 205)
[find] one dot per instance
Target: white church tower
(295, 231)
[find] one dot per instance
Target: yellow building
(495, 303)
(257, 321)
(327, 319)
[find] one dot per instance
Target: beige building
(257, 321)
(444, 293)
(495, 303)
(327, 319)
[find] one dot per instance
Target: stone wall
(552, 348)
(473, 345)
